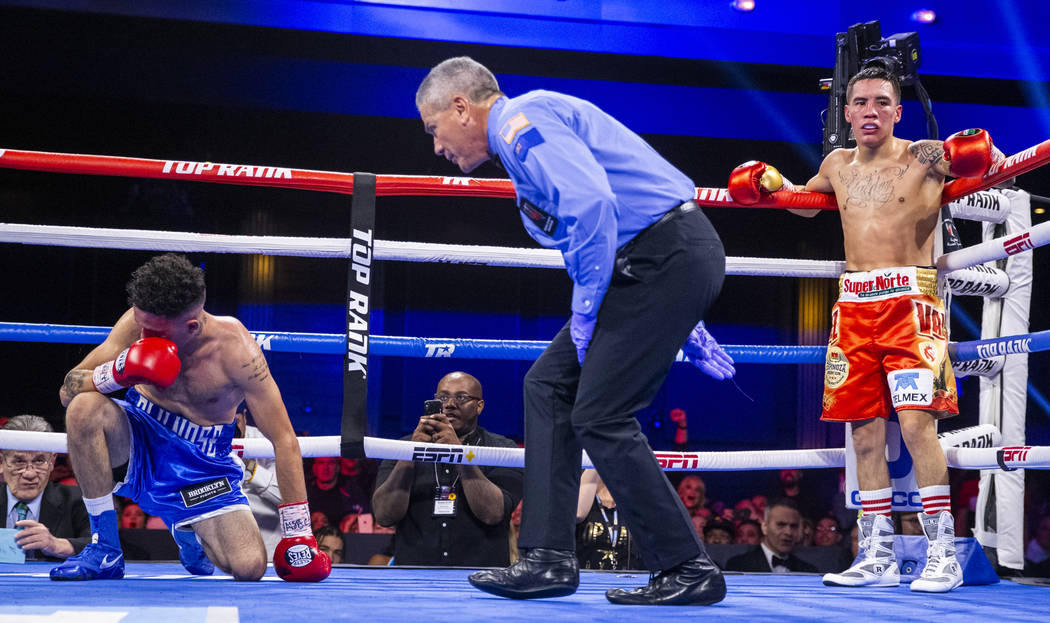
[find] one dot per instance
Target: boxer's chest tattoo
(871, 188)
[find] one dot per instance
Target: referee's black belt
(670, 215)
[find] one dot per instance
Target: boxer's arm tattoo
(927, 152)
(74, 382)
(257, 368)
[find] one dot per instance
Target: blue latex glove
(703, 351)
(581, 328)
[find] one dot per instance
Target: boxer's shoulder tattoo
(73, 384)
(926, 152)
(866, 189)
(257, 368)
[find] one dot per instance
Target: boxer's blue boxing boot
(191, 554)
(102, 559)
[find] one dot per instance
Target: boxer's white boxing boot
(942, 572)
(879, 565)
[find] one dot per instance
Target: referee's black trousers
(667, 278)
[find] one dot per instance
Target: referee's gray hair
(31, 423)
(459, 75)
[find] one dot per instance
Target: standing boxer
(167, 444)
(888, 343)
(646, 265)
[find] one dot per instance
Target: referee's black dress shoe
(538, 573)
(696, 582)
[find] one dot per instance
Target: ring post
(358, 295)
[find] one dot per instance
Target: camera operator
(450, 515)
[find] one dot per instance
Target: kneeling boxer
(167, 444)
(888, 343)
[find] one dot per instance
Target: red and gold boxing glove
(969, 153)
(152, 360)
(297, 558)
(749, 181)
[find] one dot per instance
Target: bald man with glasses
(450, 515)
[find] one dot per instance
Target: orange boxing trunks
(888, 347)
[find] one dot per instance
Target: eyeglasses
(459, 399)
(19, 465)
(827, 529)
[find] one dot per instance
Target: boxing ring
(443, 594)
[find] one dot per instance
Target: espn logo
(1017, 453)
(1017, 244)
(423, 454)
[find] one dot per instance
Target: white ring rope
(149, 240)
(996, 249)
(967, 457)
(988, 206)
(979, 280)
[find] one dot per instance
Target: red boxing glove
(297, 558)
(969, 153)
(749, 181)
(152, 360)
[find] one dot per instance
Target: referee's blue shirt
(585, 184)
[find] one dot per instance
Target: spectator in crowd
(681, 431)
(789, 485)
(132, 517)
(330, 541)
(450, 514)
(1038, 549)
(782, 532)
(748, 532)
(602, 542)
(700, 522)
(318, 520)
(745, 509)
(358, 481)
(328, 492)
(260, 485)
(759, 502)
(51, 518)
(718, 531)
(907, 523)
(828, 533)
(693, 493)
(807, 532)
(62, 473)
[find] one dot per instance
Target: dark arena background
(329, 85)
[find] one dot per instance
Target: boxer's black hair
(168, 285)
(874, 72)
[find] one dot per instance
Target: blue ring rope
(525, 350)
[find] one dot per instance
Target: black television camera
(863, 46)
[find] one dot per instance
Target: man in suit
(51, 518)
(782, 532)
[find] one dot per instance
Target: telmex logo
(424, 454)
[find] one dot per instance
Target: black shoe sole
(539, 593)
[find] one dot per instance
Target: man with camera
(888, 344)
(450, 515)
